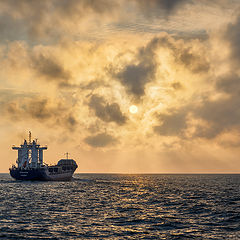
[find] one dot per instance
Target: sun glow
(133, 109)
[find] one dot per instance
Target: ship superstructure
(30, 165)
(30, 154)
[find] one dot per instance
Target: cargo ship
(30, 165)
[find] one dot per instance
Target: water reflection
(121, 206)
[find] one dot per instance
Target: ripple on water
(122, 207)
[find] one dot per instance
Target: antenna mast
(30, 136)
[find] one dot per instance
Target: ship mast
(67, 153)
(29, 137)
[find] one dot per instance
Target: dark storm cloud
(222, 114)
(72, 7)
(196, 62)
(71, 120)
(232, 36)
(105, 111)
(166, 8)
(100, 140)
(153, 7)
(134, 77)
(43, 18)
(10, 28)
(49, 68)
(38, 109)
(141, 70)
(29, 14)
(172, 124)
(28, 107)
(95, 84)
(185, 54)
(177, 85)
(8, 95)
(219, 116)
(229, 84)
(34, 108)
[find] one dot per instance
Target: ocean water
(112, 206)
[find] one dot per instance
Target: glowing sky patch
(133, 109)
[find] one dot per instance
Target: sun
(133, 109)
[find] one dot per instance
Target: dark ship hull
(27, 174)
(40, 174)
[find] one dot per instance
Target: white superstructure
(30, 154)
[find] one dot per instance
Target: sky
(124, 86)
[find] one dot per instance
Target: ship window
(55, 169)
(64, 168)
(50, 169)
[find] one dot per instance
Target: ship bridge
(66, 162)
(30, 154)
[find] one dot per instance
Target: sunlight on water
(122, 207)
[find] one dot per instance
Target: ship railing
(52, 165)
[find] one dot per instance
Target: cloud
(49, 18)
(47, 21)
(229, 84)
(222, 114)
(105, 111)
(189, 53)
(141, 70)
(135, 74)
(48, 67)
(100, 140)
(208, 119)
(135, 77)
(196, 61)
(72, 7)
(173, 123)
(30, 107)
(167, 8)
(30, 14)
(8, 95)
(176, 85)
(211, 118)
(6, 23)
(232, 36)
(153, 7)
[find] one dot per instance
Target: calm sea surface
(103, 206)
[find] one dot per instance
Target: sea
(122, 206)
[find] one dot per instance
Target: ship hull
(39, 174)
